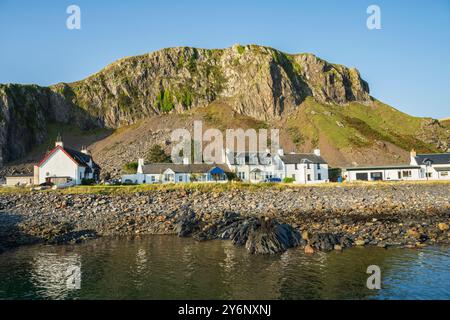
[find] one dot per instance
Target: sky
(406, 62)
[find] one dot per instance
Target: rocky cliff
(254, 81)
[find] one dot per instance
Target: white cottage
(64, 166)
(434, 166)
(383, 173)
(254, 167)
(176, 173)
(305, 167)
(264, 166)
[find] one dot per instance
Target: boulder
(271, 237)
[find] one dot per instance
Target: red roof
(48, 155)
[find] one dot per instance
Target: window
(399, 174)
(428, 174)
(309, 177)
(153, 178)
(293, 176)
(318, 167)
(362, 176)
(376, 176)
(444, 174)
(241, 175)
(296, 168)
(180, 178)
(319, 176)
(406, 174)
(307, 166)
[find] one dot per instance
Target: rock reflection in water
(166, 267)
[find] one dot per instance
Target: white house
(434, 166)
(63, 165)
(386, 173)
(305, 167)
(176, 173)
(254, 166)
(263, 166)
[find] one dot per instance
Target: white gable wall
(300, 172)
(59, 164)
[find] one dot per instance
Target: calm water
(165, 267)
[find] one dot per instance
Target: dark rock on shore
(187, 223)
(272, 237)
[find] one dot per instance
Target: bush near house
(130, 167)
(288, 180)
(87, 182)
(156, 154)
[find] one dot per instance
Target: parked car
(272, 180)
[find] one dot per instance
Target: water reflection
(54, 275)
(165, 267)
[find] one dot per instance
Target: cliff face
(26, 110)
(253, 81)
(257, 81)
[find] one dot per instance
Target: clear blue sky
(407, 62)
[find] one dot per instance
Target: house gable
(52, 153)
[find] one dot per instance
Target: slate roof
(159, 168)
(435, 158)
(293, 158)
(251, 157)
(394, 167)
(440, 169)
(80, 158)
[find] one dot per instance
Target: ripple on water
(166, 267)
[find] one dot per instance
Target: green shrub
(156, 154)
(240, 49)
(130, 167)
(87, 182)
(288, 180)
(164, 101)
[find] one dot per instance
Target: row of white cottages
(300, 167)
(247, 166)
(67, 166)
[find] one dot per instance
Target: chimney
(413, 155)
(141, 163)
(59, 142)
(35, 175)
(317, 152)
(280, 152)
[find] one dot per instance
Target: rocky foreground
(268, 220)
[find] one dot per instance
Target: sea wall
(265, 220)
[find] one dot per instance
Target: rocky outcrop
(257, 81)
(26, 111)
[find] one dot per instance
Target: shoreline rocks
(264, 221)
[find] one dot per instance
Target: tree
(156, 154)
(130, 167)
